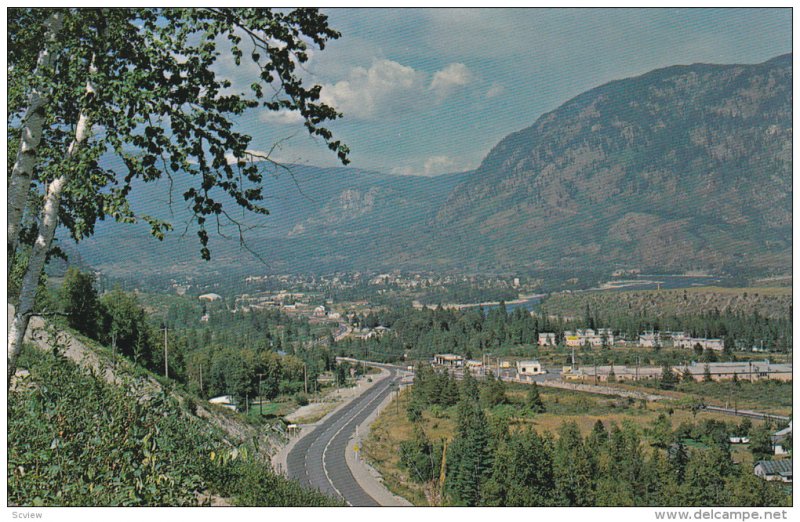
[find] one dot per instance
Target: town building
(779, 439)
(685, 341)
(547, 339)
(650, 340)
(449, 360)
(226, 401)
(210, 297)
(591, 374)
(530, 367)
(774, 470)
(589, 337)
(743, 370)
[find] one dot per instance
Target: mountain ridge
(684, 167)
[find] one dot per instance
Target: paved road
(318, 459)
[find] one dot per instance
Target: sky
(431, 91)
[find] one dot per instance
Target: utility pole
(166, 354)
(305, 379)
(260, 397)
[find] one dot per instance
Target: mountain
(686, 167)
(683, 167)
(320, 219)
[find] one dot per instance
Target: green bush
(301, 399)
(74, 440)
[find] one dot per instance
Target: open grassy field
(767, 396)
(772, 302)
(393, 427)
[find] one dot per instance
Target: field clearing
(774, 397)
(755, 290)
(393, 427)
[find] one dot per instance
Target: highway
(317, 460)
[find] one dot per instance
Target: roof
(744, 367)
(222, 399)
(776, 467)
(528, 362)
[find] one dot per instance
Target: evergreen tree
(668, 379)
(522, 473)
(493, 392)
(469, 458)
(533, 400)
(572, 468)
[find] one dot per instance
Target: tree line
(262, 353)
(488, 464)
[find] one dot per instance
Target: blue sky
(431, 91)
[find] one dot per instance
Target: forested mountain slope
(682, 167)
(686, 167)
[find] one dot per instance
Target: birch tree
(141, 84)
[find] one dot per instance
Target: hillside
(89, 428)
(769, 303)
(684, 167)
(320, 219)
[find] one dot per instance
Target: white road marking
(325, 450)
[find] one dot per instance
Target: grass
(392, 426)
(767, 396)
(386, 433)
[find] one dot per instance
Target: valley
(454, 257)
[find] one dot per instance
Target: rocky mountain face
(687, 167)
(683, 167)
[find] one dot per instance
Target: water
(665, 282)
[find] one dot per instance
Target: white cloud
(439, 165)
(390, 88)
(387, 87)
(450, 78)
(404, 171)
(432, 166)
(495, 90)
(282, 117)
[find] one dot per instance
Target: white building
(650, 340)
(448, 359)
(531, 367)
(547, 339)
(226, 401)
(684, 341)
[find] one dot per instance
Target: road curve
(317, 460)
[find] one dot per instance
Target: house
(571, 339)
(547, 339)
(449, 360)
(226, 401)
(474, 365)
(589, 337)
(210, 297)
(650, 340)
(320, 311)
(774, 470)
(684, 341)
(778, 439)
(531, 367)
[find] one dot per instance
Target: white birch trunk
(48, 221)
(30, 137)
